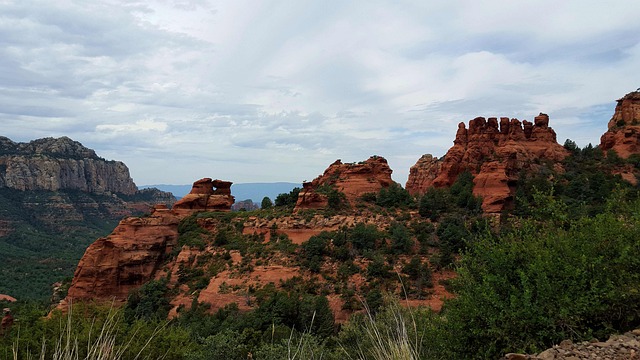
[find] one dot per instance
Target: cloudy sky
(264, 91)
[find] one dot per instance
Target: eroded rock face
(131, 255)
(55, 164)
(126, 259)
(495, 152)
(352, 179)
(206, 195)
(623, 135)
(424, 172)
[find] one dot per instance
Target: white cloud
(273, 91)
(140, 125)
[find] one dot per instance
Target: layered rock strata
(495, 152)
(352, 179)
(57, 164)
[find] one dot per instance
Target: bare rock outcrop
(132, 254)
(495, 152)
(623, 135)
(352, 179)
(206, 195)
(127, 258)
(56, 164)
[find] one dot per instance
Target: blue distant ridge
(254, 191)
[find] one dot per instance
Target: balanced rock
(206, 195)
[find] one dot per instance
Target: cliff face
(55, 164)
(126, 259)
(623, 135)
(495, 153)
(55, 197)
(352, 179)
(131, 255)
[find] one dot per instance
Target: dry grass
(103, 346)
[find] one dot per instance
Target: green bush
(539, 283)
(394, 196)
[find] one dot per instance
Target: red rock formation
(308, 198)
(422, 174)
(7, 298)
(494, 152)
(126, 259)
(131, 254)
(352, 179)
(623, 135)
(206, 195)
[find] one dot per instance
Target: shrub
(539, 283)
(266, 203)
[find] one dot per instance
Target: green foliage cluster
(149, 302)
(585, 185)
(540, 283)
(457, 199)
(190, 233)
(289, 199)
(266, 203)
(393, 196)
(46, 242)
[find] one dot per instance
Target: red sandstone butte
(623, 135)
(495, 152)
(352, 179)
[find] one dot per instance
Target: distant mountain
(56, 197)
(254, 191)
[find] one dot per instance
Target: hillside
(56, 196)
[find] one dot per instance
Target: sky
(267, 91)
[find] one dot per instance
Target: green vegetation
(46, 241)
(289, 199)
(266, 203)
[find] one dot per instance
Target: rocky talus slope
(617, 347)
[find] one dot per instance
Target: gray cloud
(275, 92)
